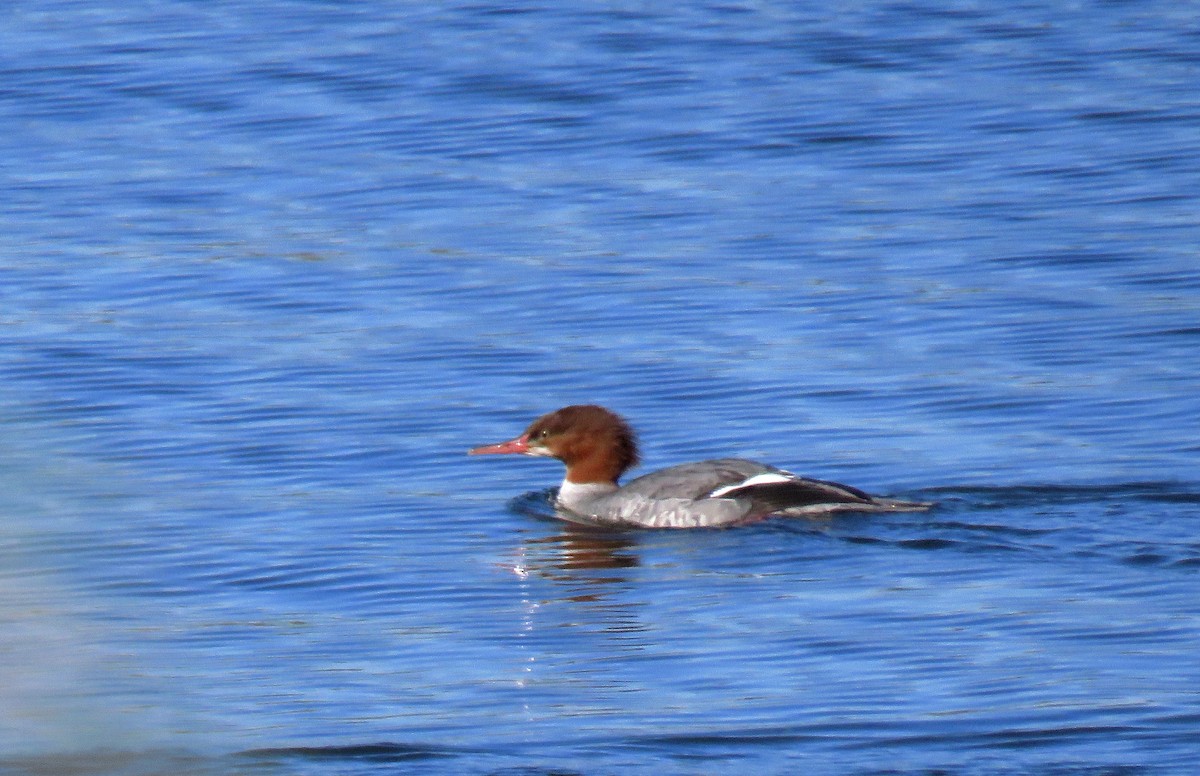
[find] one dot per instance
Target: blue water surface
(270, 268)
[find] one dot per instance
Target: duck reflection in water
(572, 547)
(580, 547)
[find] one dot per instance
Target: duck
(598, 446)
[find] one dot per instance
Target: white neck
(574, 495)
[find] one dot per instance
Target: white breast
(576, 496)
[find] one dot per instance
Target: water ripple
(273, 268)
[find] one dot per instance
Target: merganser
(598, 446)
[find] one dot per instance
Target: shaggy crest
(593, 428)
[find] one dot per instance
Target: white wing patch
(766, 478)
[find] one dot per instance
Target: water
(271, 268)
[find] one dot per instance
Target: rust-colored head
(597, 445)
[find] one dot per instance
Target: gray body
(719, 492)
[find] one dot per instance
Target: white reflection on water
(64, 684)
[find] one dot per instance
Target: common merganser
(598, 446)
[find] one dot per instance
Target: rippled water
(271, 268)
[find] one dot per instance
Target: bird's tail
(897, 505)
